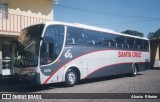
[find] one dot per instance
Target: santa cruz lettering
(129, 54)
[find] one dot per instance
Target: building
(155, 53)
(14, 16)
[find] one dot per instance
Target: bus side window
(114, 41)
(145, 45)
(70, 39)
(139, 44)
(120, 41)
(131, 42)
(93, 38)
(107, 40)
(75, 36)
(126, 43)
(82, 39)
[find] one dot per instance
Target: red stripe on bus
(71, 61)
(81, 56)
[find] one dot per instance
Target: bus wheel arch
(72, 76)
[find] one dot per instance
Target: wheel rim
(71, 78)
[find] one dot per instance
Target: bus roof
(91, 28)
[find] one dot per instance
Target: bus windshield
(27, 49)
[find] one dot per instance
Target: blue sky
(118, 15)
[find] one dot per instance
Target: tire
(134, 70)
(71, 78)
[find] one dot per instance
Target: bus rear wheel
(134, 70)
(71, 78)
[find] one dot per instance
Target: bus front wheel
(71, 78)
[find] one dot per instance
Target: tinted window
(126, 43)
(93, 37)
(108, 40)
(28, 47)
(139, 44)
(130, 42)
(120, 41)
(75, 36)
(55, 34)
(145, 44)
(52, 44)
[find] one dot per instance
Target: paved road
(146, 82)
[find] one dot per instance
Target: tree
(132, 32)
(154, 35)
(150, 35)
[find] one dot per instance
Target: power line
(131, 21)
(103, 13)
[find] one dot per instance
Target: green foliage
(154, 35)
(134, 33)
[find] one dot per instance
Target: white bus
(62, 52)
